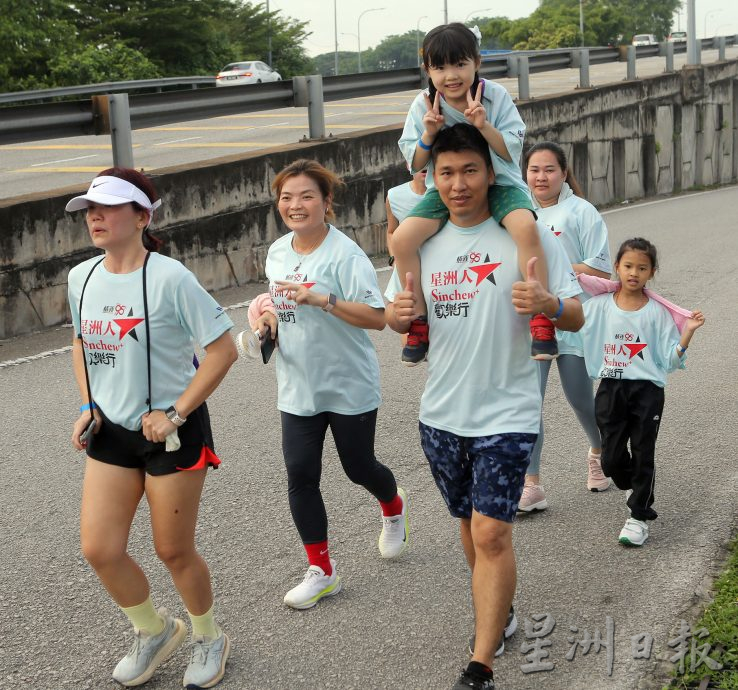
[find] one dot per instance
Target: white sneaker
(248, 344)
(395, 531)
(634, 532)
(314, 586)
(208, 658)
(149, 651)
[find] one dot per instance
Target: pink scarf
(595, 285)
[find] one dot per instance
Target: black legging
(302, 447)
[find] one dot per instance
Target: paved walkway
(399, 624)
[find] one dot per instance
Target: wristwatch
(331, 302)
(173, 416)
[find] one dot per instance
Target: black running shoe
(469, 679)
(510, 627)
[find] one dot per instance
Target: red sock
(393, 507)
(318, 555)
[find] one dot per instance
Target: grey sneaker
(149, 651)
(511, 625)
(208, 658)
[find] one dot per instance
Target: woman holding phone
(136, 316)
(325, 295)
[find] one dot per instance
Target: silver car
(644, 40)
(254, 72)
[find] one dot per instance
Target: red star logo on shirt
(126, 325)
(485, 270)
(635, 349)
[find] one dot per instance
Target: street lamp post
(348, 33)
(486, 9)
(417, 38)
(445, 11)
(692, 47)
(581, 21)
(335, 38)
(704, 27)
(269, 35)
(358, 29)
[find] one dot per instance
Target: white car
(677, 37)
(254, 72)
(644, 40)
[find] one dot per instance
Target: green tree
(394, 52)
(555, 24)
(250, 28)
(181, 38)
(325, 63)
(33, 32)
(96, 64)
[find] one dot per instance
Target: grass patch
(721, 620)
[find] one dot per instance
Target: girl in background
(631, 343)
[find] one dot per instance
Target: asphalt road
(44, 165)
(396, 624)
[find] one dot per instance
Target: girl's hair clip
(477, 33)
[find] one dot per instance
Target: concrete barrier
(656, 135)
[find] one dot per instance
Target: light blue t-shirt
(583, 233)
(323, 363)
(635, 345)
(113, 330)
(402, 199)
(481, 379)
(501, 113)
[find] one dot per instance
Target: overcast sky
(399, 16)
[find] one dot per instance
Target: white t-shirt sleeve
(506, 118)
(413, 129)
(358, 280)
(562, 281)
(393, 286)
(594, 240)
(202, 318)
(668, 339)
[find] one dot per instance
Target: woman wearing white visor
(144, 423)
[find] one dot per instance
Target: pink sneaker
(532, 499)
(596, 480)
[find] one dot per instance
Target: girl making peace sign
(451, 59)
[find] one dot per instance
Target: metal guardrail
(33, 122)
(104, 87)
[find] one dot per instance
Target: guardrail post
(667, 50)
(721, 48)
(523, 79)
(120, 130)
(631, 74)
(308, 93)
(580, 58)
(512, 66)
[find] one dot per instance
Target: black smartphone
(267, 345)
(85, 435)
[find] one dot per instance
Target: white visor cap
(113, 191)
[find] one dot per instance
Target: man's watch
(331, 302)
(173, 416)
